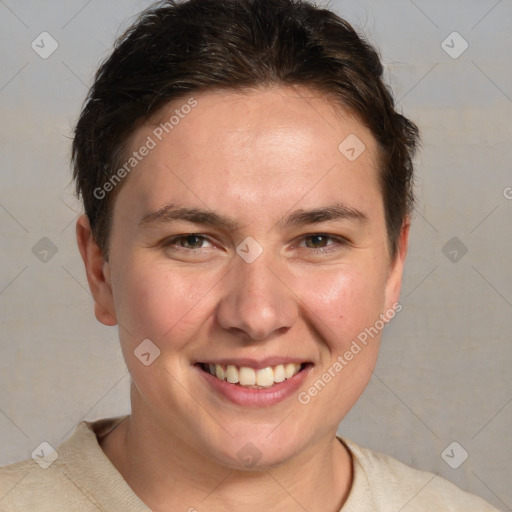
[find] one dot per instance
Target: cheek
(155, 302)
(344, 301)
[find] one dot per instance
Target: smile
(252, 378)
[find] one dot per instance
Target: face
(247, 245)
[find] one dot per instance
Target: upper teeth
(245, 376)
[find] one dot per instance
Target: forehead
(278, 118)
(274, 146)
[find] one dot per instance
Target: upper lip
(257, 364)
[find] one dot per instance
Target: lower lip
(255, 397)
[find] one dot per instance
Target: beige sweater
(82, 478)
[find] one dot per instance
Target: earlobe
(98, 272)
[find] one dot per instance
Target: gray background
(444, 370)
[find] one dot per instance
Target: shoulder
(25, 486)
(74, 476)
(42, 483)
(393, 486)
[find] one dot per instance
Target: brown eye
(318, 241)
(190, 241)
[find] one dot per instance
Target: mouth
(253, 378)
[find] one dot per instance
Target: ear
(98, 272)
(394, 280)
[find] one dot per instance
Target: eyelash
(338, 241)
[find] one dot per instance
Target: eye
(190, 241)
(318, 241)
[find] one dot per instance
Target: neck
(166, 474)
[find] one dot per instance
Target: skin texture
(255, 157)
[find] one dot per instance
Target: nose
(257, 302)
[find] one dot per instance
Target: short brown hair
(176, 49)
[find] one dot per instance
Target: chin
(253, 449)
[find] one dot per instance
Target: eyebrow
(301, 217)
